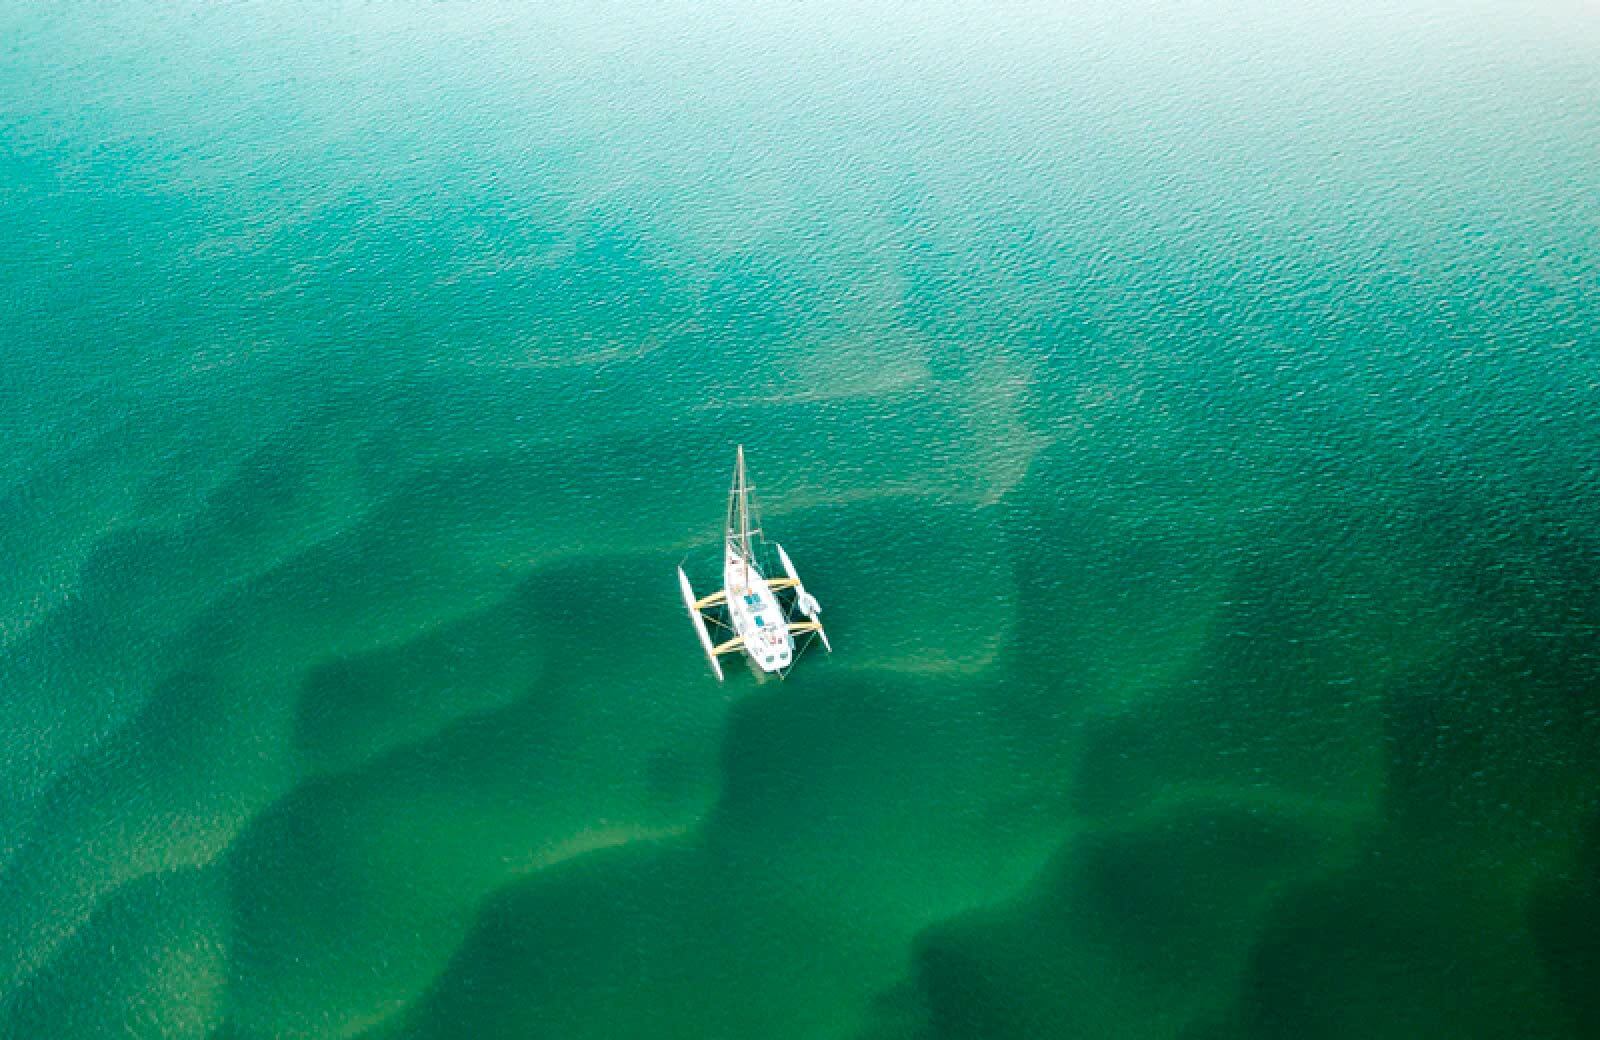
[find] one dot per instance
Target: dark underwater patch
(1137, 924)
(1393, 952)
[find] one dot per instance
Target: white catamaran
(758, 613)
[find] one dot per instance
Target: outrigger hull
(699, 623)
(806, 602)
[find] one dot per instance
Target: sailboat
(757, 615)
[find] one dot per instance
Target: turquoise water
(1187, 415)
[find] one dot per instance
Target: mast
(739, 511)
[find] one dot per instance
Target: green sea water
(1188, 415)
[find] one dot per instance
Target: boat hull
(755, 613)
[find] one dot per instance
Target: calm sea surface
(1188, 415)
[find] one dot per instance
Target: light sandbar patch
(593, 839)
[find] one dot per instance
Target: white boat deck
(756, 616)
